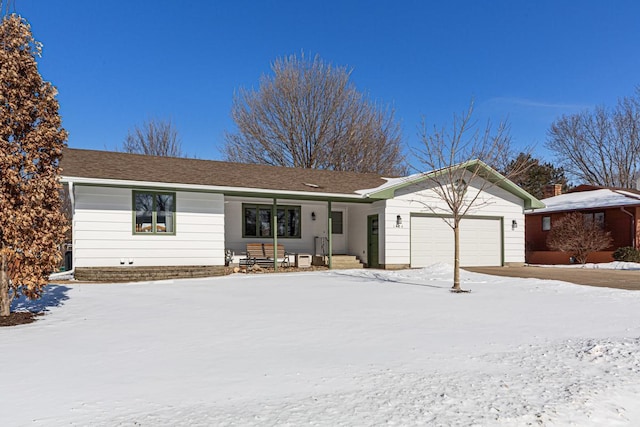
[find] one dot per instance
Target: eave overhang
(226, 190)
(485, 171)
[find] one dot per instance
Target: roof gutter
(209, 188)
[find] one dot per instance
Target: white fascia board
(581, 208)
(199, 187)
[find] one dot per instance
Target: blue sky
(118, 63)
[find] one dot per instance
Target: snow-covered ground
(338, 348)
(614, 265)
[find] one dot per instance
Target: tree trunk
(5, 301)
(456, 257)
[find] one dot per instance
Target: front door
(373, 228)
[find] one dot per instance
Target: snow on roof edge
(592, 199)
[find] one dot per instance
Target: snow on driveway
(356, 347)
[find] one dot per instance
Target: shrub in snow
(578, 236)
(627, 254)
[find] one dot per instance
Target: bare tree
(309, 115)
(154, 138)
(579, 236)
(600, 147)
(32, 225)
(458, 157)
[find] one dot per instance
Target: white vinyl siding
(103, 230)
(419, 199)
(357, 230)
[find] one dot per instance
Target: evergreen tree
(535, 176)
(32, 224)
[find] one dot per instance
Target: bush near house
(578, 236)
(627, 254)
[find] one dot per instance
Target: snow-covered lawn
(358, 347)
(614, 265)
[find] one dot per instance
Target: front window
(546, 223)
(594, 217)
(258, 220)
(154, 212)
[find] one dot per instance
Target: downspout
(72, 200)
(329, 233)
(274, 229)
(633, 226)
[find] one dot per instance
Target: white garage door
(432, 241)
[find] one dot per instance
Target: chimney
(551, 190)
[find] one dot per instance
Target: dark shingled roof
(137, 167)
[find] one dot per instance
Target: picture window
(258, 221)
(154, 213)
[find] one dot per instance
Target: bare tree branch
(154, 138)
(309, 115)
(600, 147)
(578, 236)
(457, 158)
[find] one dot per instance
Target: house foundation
(136, 274)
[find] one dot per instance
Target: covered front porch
(327, 232)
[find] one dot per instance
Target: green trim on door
(373, 241)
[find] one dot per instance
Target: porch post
(274, 229)
(329, 233)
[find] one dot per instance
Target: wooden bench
(263, 255)
(281, 255)
(254, 254)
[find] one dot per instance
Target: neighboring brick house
(618, 210)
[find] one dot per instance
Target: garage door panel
(432, 241)
(428, 240)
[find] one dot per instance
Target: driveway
(620, 279)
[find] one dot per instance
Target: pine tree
(535, 176)
(32, 224)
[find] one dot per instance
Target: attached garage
(432, 241)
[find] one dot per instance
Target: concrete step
(346, 266)
(345, 262)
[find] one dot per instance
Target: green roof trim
(486, 172)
